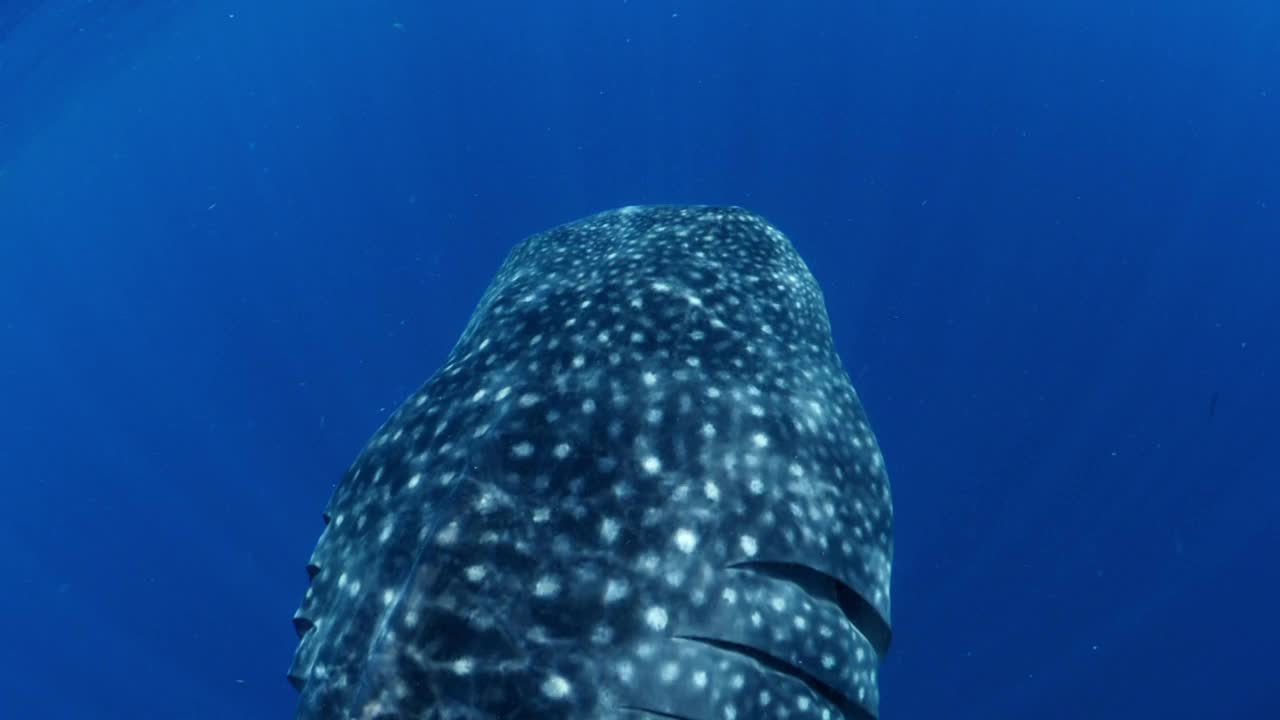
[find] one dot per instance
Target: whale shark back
(641, 485)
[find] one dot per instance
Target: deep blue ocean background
(234, 235)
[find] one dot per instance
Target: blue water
(234, 235)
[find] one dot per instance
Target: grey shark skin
(641, 486)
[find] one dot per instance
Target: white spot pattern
(642, 399)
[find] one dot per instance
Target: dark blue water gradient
(234, 235)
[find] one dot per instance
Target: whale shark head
(641, 485)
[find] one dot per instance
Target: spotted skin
(641, 486)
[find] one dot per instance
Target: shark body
(641, 486)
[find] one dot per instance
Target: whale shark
(641, 486)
